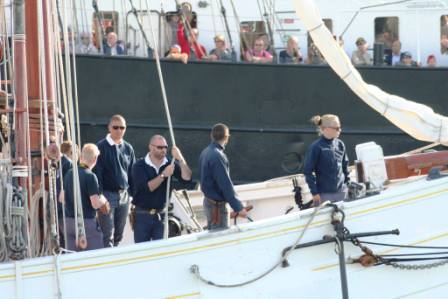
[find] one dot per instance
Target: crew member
(215, 181)
(114, 169)
(90, 199)
(150, 182)
(326, 162)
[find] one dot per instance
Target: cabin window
(249, 31)
(110, 23)
(386, 31)
(444, 34)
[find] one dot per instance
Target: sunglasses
(160, 147)
(336, 128)
(119, 127)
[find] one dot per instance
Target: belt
(149, 211)
(216, 202)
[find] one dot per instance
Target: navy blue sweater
(215, 176)
(114, 166)
(89, 186)
(143, 173)
(326, 166)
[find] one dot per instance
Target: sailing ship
(267, 106)
(394, 231)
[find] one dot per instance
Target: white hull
(161, 269)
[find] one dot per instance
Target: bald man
(90, 200)
(150, 180)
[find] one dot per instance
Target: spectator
(258, 54)
(292, 52)
(85, 46)
(431, 61)
(360, 56)
(221, 52)
(173, 25)
(198, 49)
(175, 54)
(444, 44)
(314, 55)
(112, 48)
(395, 56)
(406, 60)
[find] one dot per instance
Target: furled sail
(417, 120)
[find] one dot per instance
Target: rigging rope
(195, 268)
(167, 113)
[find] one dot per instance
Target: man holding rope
(215, 181)
(150, 183)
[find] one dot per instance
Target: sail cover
(417, 120)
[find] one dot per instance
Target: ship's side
(267, 107)
(162, 269)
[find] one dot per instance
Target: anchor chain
(416, 266)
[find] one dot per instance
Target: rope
(403, 246)
(79, 217)
(167, 113)
(57, 274)
(194, 269)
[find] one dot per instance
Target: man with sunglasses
(150, 182)
(113, 170)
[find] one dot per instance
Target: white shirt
(149, 162)
(111, 141)
(396, 59)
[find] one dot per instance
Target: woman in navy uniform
(326, 162)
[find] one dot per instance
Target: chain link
(418, 267)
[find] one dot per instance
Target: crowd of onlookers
(185, 47)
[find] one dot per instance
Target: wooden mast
(20, 86)
(35, 91)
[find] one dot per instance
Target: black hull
(267, 107)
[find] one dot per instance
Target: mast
(20, 86)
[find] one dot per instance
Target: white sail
(417, 120)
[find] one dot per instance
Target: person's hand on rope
(105, 208)
(169, 170)
(316, 200)
(175, 151)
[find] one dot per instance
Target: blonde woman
(326, 162)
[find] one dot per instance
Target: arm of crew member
(97, 201)
(184, 169)
(226, 186)
(309, 169)
(345, 163)
(158, 180)
(61, 196)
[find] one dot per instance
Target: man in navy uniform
(90, 200)
(114, 169)
(215, 181)
(150, 182)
